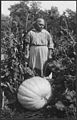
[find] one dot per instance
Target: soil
(19, 113)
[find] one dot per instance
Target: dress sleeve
(50, 42)
(28, 38)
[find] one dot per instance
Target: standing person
(40, 45)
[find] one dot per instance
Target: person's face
(40, 24)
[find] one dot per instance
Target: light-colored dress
(39, 43)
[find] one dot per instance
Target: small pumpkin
(34, 93)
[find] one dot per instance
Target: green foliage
(5, 25)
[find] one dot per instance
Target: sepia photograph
(38, 60)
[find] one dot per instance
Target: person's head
(40, 23)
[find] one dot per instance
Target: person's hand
(50, 54)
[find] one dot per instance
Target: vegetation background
(14, 61)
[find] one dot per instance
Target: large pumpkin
(34, 93)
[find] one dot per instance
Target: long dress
(39, 43)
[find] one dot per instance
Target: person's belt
(38, 45)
